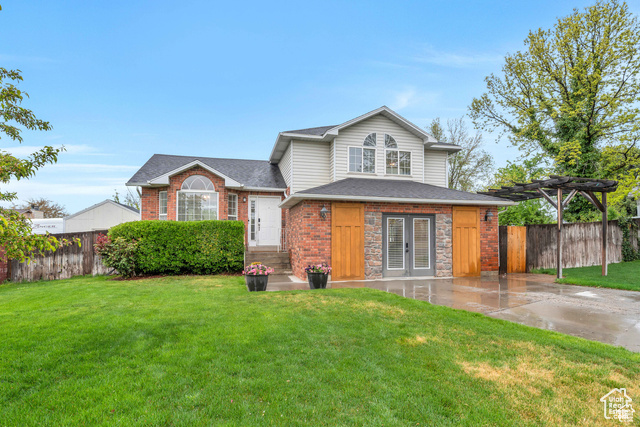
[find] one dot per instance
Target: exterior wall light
(323, 212)
(488, 215)
(244, 200)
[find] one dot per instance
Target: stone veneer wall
(308, 236)
(373, 235)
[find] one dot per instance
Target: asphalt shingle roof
(251, 173)
(311, 131)
(365, 187)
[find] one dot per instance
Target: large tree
(15, 230)
(471, 168)
(534, 211)
(49, 208)
(573, 95)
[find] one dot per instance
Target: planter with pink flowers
(317, 276)
(256, 276)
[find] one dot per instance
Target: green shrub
(194, 247)
(118, 253)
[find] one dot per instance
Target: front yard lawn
(204, 351)
(624, 275)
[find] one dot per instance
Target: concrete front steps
(279, 261)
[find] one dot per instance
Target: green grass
(203, 351)
(624, 275)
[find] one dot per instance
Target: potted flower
(256, 276)
(318, 275)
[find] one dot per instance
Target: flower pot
(317, 280)
(257, 282)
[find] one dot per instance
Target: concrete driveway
(606, 315)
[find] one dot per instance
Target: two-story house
(368, 196)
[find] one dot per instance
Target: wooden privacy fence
(66, 262)
(582, 245)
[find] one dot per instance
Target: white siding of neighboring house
(355, 135)
(435, 168)
(285, 166)
(101, 217)
(311, 164)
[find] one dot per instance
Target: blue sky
(122, 80)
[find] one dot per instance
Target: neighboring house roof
(237, 172)
(327, 133)
(386, 190)
(120, 205)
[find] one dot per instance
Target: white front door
(268, 221)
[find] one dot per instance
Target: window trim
(397, 150)
(375, 158)
(196, 191)
(236, 215)
(166, 205)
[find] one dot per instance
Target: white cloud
(74, 149)
(91, 167)
(411, 97)
(403, 99)
(457, 60)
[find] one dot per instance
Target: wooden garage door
(347, 241)
(466, 241)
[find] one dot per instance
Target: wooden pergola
(565, 189)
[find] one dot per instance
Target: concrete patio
(606, 315)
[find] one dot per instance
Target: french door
(408, 245)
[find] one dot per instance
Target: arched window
(197, 199)
(363, 159)
(397, 162)
(198, 182)
(389, 142)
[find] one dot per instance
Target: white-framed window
(363, 159)
(232, 207)
(162, 205)
(397, 162)
(197, 199)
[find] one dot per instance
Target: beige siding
(355, 135)
(101, 217)
(311, 164)
(285, 166)
(332, 164)
(435, 168)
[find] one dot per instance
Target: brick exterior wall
(4, 266)
(489, 249)
(309, 237)
(150, 198)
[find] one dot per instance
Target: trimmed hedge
(194, 247)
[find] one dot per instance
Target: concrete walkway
(606, 315)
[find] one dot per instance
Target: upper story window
(398, 162)
(197, 199)
(162, 205)
(363, 159)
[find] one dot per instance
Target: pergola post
(559, 260)
(605, 227)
